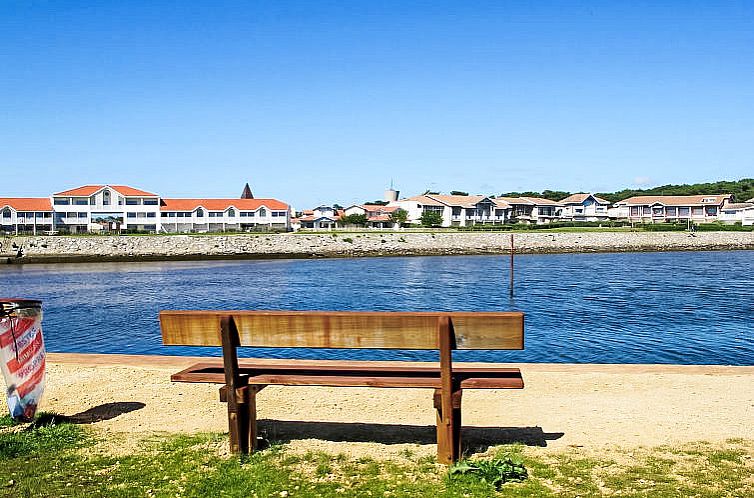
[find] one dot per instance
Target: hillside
(742, 190)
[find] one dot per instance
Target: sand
(584, 406)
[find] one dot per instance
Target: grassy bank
(61, 459)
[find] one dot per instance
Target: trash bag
(22, 355)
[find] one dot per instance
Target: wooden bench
(363, 330)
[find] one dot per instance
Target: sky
(316, 102)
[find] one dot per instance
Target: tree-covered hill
(742, 190)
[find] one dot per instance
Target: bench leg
(238, 427)
(448, 428)
(242, 418)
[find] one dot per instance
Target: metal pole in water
(511, 272)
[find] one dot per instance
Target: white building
(742, 212)
(94, 208)
(25, 214)
(98, 207)
(584, 207)
(218, 215)
(456, 210)
(671, 208)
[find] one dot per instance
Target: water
(680, 307)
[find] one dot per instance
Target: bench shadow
(105, 411)
(475, 439)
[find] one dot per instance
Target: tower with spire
(246, 194)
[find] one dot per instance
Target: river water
(676, 307)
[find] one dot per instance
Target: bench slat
(340, 329)
(356, 376)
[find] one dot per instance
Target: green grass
(52, 459)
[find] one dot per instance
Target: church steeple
(246, 194)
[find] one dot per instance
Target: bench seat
(353, 374)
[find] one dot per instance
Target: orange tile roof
(26, 203)
(221, 204)
(88, 190)
(675, 200)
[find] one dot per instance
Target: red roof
(221, 204)
(88, 190)
(26, 203)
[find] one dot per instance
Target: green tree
(399, 216)
(354, 219)
(458, 192)
(431, 219)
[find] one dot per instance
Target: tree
(458, 192)
(377, 203)
(354, 219)
(399, 216)
(431, 219)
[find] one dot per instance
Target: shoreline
(93, 249)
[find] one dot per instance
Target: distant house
(742, 212)
(456, 210)
(671, 208)
(319, 218)
(378, 215)
(584, 207)
(532, 210)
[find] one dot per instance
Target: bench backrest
(345, 329)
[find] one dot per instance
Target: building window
(671, 211)
(81, 202)
(697, 211)
(164, 215)
(200, 213)
(683, 211)
(149, 202)
(262, 212)
(151, 215)
(132, 202)
(106, 198)
(232, 212)
(83, 215)
(131, 215)
(61, 202)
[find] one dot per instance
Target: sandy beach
(563, 405)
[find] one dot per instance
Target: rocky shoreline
(43, 249)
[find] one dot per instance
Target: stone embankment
(165, 247)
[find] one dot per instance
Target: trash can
(22, 355)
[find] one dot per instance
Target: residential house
(741, 212)
(584, 207)
(456, 210)
(378, 215)
(532, 210)
(671, 208)
(319, 218)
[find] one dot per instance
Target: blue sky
(319, 102)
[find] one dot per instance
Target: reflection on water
(607, 308)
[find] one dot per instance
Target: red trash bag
(22, 355)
